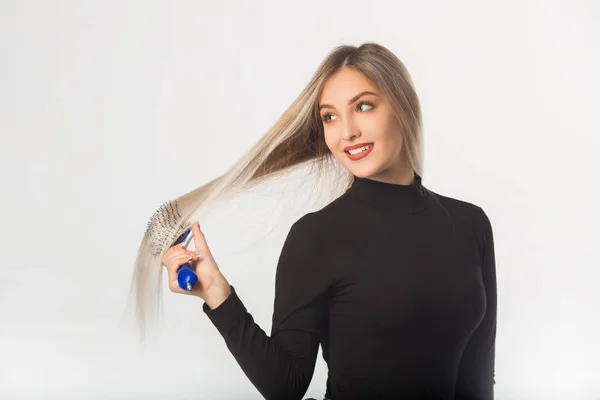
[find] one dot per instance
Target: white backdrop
(109, 108)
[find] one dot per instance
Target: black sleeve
(476, 377)
(281, 365)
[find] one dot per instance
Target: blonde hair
(296, 139)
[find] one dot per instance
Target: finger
(173, 276)
(176, 251)
(200, 240)
(173, 266)
(178, 259)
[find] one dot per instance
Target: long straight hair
(296, 139)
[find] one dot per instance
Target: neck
(404, 198)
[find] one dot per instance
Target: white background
(109, 108)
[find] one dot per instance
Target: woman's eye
(362, 103)
(365, 104)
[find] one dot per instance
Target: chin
(363, 172)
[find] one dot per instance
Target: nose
(350, 129)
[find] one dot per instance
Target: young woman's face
(350, 118)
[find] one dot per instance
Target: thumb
(200, 241)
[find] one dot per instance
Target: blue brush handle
(186, 277)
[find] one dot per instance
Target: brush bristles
(163, 227)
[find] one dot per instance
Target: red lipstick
(360, 155)
(356, 146)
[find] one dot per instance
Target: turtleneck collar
(390, 197)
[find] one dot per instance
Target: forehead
(344, 84)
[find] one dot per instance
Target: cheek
(332, 139)
(392, 134)
(328, 141)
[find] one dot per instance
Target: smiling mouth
(365, 148)
(362, 154)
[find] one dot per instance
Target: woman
(395, 282)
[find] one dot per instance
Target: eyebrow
(352, 100)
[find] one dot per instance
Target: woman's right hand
(212, 286)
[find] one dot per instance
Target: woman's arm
(475, 379)
(281, 365)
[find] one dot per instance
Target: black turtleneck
(398, 286)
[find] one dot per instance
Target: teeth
(360, 149)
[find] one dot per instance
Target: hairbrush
(186, 277)
(164, 224)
